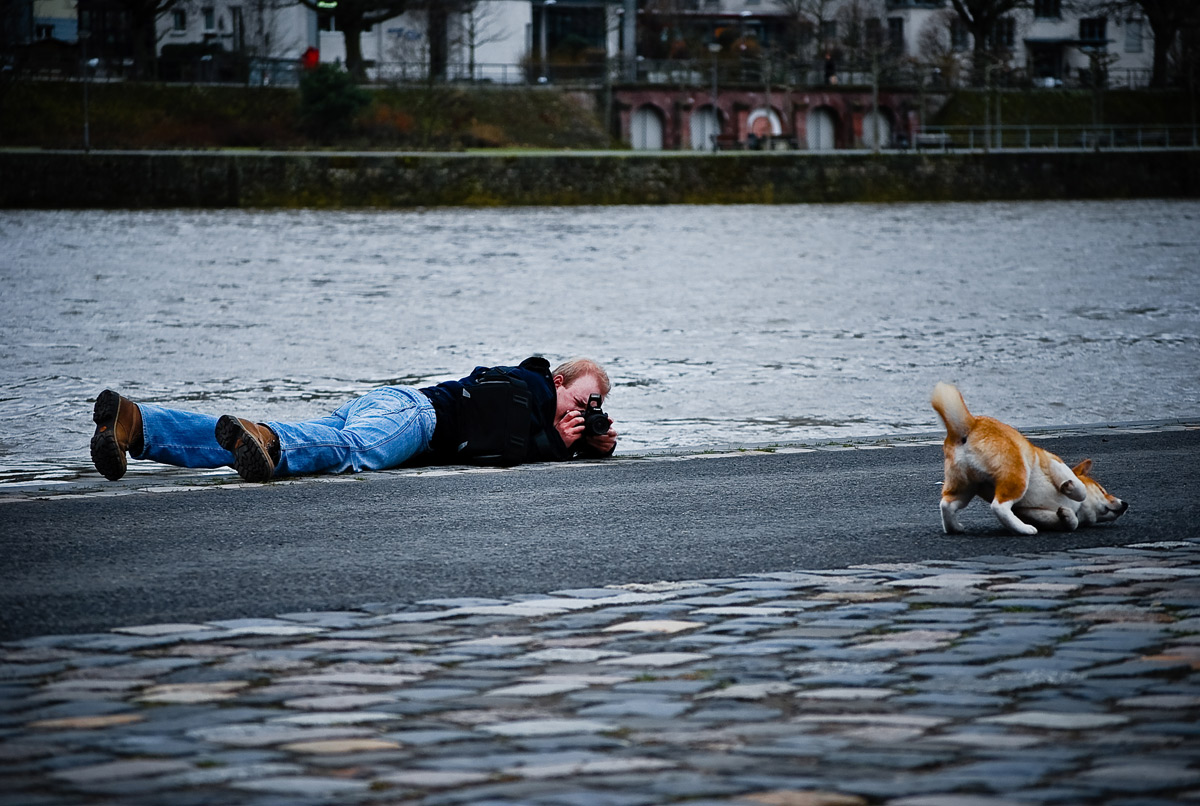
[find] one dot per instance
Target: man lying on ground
(499, 415)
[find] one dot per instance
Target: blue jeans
(384, 428)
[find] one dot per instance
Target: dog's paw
(950, 524)
(1024, 528)
(1068, 519)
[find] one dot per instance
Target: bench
(932, 140)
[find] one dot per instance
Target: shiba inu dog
(1029, 487)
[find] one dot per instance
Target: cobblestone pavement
(1060, 678)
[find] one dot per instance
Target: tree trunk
(1164, 36)
(145, 39)
(979, 57)
(438, 33)
(351, 27)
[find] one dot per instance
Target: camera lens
(596, 424)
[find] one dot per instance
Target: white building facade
(1051, 42)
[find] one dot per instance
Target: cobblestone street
(1054, 678)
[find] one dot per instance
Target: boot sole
(250, 459)
(107, 455)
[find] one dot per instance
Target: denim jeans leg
(382, 429)
(181, 438)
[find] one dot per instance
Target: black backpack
(494, 420)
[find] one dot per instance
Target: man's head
(575, 381)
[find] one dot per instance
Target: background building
(789, 42)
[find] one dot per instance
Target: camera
(595, 421)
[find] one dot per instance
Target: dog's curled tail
(949, 404)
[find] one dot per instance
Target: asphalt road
(92, 563)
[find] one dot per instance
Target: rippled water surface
(720, 325)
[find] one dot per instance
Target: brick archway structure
(734, 107)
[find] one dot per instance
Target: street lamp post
(83, 39)
(714, 48)
(542, 42)
(875, 101)
(987, 108)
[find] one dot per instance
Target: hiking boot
(255, 447)
(118, 431)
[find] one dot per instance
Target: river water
(720, 326)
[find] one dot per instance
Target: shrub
(330, 100)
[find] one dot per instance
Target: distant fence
(748, 71)
(1130, 137)
(678, 72)
(473, 72)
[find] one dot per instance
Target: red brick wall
(676, 106)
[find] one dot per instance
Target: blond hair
(579, 367)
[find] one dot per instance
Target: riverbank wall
(253, 179)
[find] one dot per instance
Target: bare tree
(1167, 20)
(807, 23)
(409, 47)
(478, 25)
(438, 14)
(352, 17)
(143, 18)
(864, 38)
(935, 44)
(981, 17)
(263, 29)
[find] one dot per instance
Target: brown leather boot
(118, 431)
(255, 447)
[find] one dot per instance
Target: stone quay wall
(219, 179)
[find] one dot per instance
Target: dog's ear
(1082, 468)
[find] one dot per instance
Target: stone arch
(877, 128)
(646, 128)
(703, 128)
(764, 122)
(820, 130)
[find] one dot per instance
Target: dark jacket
(544, 443)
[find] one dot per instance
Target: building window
(804, 33)
(1004, 34)
(325, 23)
(1093, 31)
(874, 33)
(1133, 36)
(178, 20)
(960, 37)
(896, 35)
(210, 18)
(1047, 8)
(44, 32)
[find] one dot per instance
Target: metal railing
(415, 71)
(1009, 137)
(751, 72)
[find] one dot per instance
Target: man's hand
(604, 444)
(570, 427)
